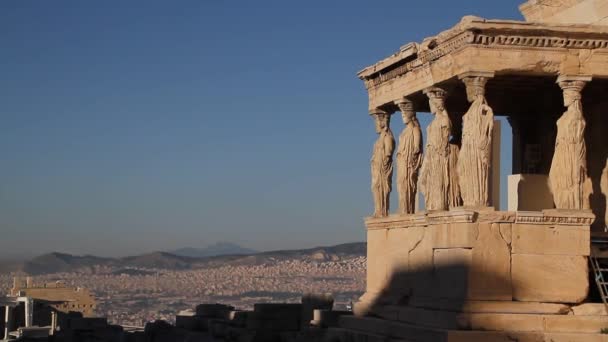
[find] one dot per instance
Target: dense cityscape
(133, 296)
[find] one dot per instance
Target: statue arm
(489, 113)
(417, 150)
(389, 144)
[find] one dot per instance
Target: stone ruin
(461, 269)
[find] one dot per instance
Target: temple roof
(414, 50)
(502, 48)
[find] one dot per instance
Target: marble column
(382, 163)
(475, 157)
(568, 178)
(408, 158)
(437, 176)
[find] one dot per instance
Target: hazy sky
(133, 126)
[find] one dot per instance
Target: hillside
(218, 249)
(61, 262)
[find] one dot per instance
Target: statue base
(480, 270)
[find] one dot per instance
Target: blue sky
(134, 126)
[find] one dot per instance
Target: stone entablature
(423, 219)
(520, 48)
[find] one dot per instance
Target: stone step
(347, 335)
(391, 329)
(489, 306)
(493, 321)
(498, 336)
(364, 331)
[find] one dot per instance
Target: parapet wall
(479, 255)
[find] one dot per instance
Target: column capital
(435, 93)
(378, 112)
(406, 106)
(472, 74)
(582, 78)
(475, 83)
(574, 83)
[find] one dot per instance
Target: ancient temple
(456, 267)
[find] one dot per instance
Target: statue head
(571, 96)
(476, 87)
(572, 91)
(407, 110)
(382, 119)
(436, 99)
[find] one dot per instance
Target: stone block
(451, 269)
(454, 235)
(420, 266)
(88, 323)
(549, 278)
(494, 336)
(474, 306)
(328, 318)
(397, 240)
(490, 273)
(313, 302)
(186, 322)
(550, 240)
(272, 308)
(388, 328)
(575, 324)
(503, 322)
(590, 309)
(377, 259)
(273, 325)
(575, 337)
(400, 242)
(213, 310)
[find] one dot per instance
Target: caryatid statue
(569, 165)
(435, 171)
(382, 163)
(409, 158)
(475, 156)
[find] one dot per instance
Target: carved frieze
(475, 34)
(462, 215)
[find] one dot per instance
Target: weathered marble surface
(382, 164)
(435, 172)
(408, 158)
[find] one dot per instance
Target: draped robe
(568, 167)
(434, 175)
(409, 160)
(476, 154)
(382, 172)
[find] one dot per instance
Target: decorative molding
(555, 216)
(472, 38)
(451, 45)
(463, 215)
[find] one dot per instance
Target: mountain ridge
(56, 262)
(220, 248)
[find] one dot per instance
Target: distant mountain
(218, 249)
(161, 260)
(61, 262)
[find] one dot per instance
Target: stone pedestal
(478, 275)
(466, 255)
